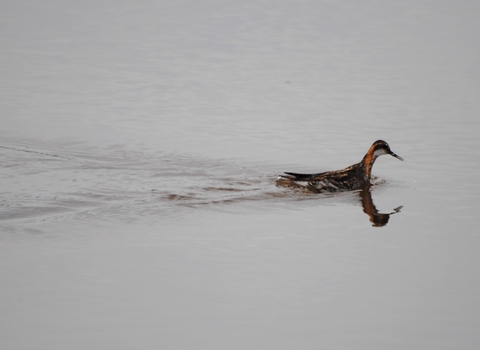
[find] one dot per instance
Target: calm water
(140, 142)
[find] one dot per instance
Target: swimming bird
(352, 178)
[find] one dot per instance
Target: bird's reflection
(377, 219)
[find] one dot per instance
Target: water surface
(140, 144)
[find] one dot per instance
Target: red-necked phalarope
(351, 178)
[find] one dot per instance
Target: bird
(352, 178)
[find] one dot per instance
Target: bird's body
(352, 178)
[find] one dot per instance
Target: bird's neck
(367, 163)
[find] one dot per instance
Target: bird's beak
(396, 156)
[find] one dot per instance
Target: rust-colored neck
(368, 160)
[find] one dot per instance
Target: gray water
(140, 142)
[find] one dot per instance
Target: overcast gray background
(140, 142)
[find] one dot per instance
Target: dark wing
(337, 176)
(302, 177)
(330, 181)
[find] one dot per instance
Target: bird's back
(331, 181)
